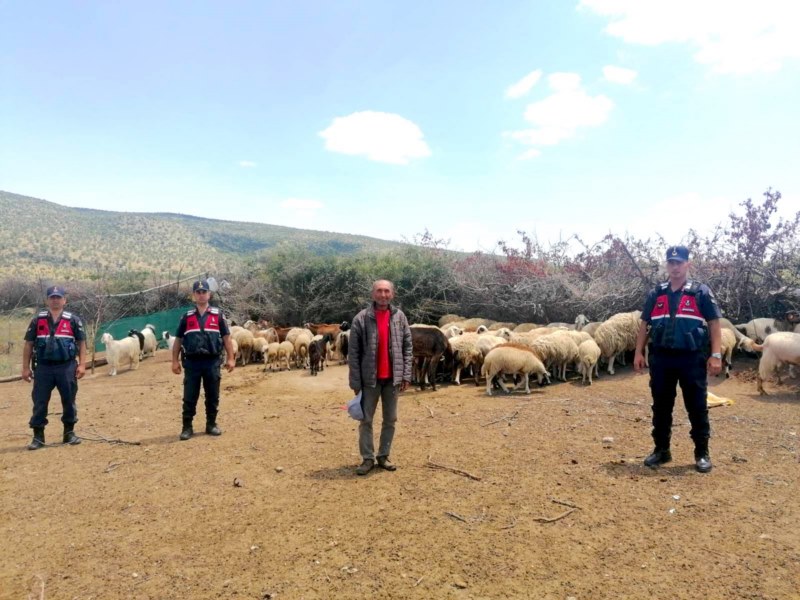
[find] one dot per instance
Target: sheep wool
(512, 360)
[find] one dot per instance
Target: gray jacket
(362, 352)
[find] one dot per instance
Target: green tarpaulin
(166, 320)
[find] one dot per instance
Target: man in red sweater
(379, 357)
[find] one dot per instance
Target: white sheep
(121, 351)
(451, 330)
(341, 345)
(235, 347)
(758, 329)
(503, 332)
(487, 342)
(301, 343)
(169, 339)
(292, 334)
(556, 350)
(259, 348)
(778, 349)
(588, 357)
(728, 344)
(285, 353)
(501, 325)
(526, 327)
(591, 327)
(617, 335)
(512, 359)
(271, 355)
(245, 340)
(579, 336)
(466, 353)
(150, 341)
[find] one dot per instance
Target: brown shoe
(384, 463)
(365, 467)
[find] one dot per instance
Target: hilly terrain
(40, 238)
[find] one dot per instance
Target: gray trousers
(386, 392)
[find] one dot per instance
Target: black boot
(69, 434)
(659, 456)
(38, 439)
(212, 429)
(702, 460)
(187, 429)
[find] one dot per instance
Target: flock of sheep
(483, 347)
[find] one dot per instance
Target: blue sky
(470, 119)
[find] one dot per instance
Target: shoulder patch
(191, 312)
(66, 315)
(43, 313)
(213, 310)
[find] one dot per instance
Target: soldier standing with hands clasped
(202, 334)
(57, 338)
(684, 320)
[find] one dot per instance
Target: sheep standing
(150, 341)
(465, 354)
(617, 335)
(169, 339)
(271, 355)
(588, 357)
(557, 351)
(245, 340)
(301, 344)
(259, 348)
(341, 345)
(778, 349)
(726, 348)
(512, 359)
(235, 352)
(121, 351)
(285, 353)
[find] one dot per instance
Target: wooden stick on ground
(564, 503)
(556, 518)
(432, 465)
(319, 431)
(430, 410)
(456, 516)
(102, 438)
(509, 418)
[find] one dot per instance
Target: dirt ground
(272, 508)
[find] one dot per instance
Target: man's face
(382, 293)
(677, 269)
(56, 303)
(201, 296)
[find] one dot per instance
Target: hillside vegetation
(39, 239)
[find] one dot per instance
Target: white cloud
(524, 85)
(529, 154)
(382, 137)
(619, 74)
(559, 116)
(247, 164)
(729, 36)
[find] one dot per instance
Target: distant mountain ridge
(39, 238)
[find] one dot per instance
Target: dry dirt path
(164, 519)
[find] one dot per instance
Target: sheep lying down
(512, 359)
